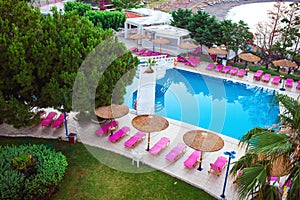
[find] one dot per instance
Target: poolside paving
(210, 183)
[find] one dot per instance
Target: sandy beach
(220, 10)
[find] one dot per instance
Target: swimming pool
(220, 105)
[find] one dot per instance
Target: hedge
(30, 171)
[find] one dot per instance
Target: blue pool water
(223, 106)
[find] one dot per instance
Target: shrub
(30, 171)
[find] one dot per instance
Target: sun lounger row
(145, 52)
(226, 69)
(258, 75)
(53, 119)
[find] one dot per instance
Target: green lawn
(87, 178)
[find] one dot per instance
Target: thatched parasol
(284, 63)
(149, 123)
(138, 37)
(203, 141)
(187, 46)
(249, 57)
(217, 51)
(161, 41)
(111, 112)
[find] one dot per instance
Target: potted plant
(150, 63)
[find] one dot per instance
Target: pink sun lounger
(219, 68)
(226, 69)
(234, 70)
(241, 73)
(160, 145)
(218, 165)
(105, 128)
(276, 80)
(155, 53)
(258, 74)
(140, 52)
(176, 152)
(192, 160)
(119, 134)
(298, 85)
(135, 139)
(47, 121)
(289, 82)
(59, 121)
(210, 66)
(266, 78)
(148, 53)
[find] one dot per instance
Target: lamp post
(247, 70)
(282, 83)
(231, 156)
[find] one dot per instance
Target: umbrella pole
(187, 54)
(199, 168)
(148, 147)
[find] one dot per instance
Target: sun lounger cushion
(241, 72)
(136, 138)
(276, 80)
(47, 121)
(105, 128)
(219, 68)
(176, 152)
(266, 78)
(160, 145)
(226, 69)
(148, 53)
(192, 160)
(234, 70)
(298, 85)
(119, 134)
(155, 53)
(59, 121)
(218, 165)
(140, 52)
(210, 66)
(258, 74)
(289, 82)
(181, 59)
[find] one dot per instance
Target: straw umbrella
(149, 123)
(203, 141)
(217, 51)
(187, 46)
(161, 41)
(284, 63)
(112, 111)
(249, 57)
(138, 37)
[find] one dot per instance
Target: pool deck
(210, 183)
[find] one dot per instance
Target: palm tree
(271, 153)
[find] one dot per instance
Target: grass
(87, 178)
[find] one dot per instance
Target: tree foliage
(271, 153)
(80, 7)
(40, 57)
(278, 38)
(105, 19)
(181, 17)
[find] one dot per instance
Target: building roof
(150, 17)
(167, 30)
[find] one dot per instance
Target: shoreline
(220, 10)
